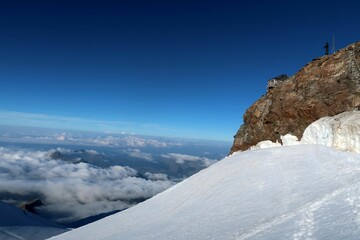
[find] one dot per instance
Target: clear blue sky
(171, 68)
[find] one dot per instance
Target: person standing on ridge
(326, 48)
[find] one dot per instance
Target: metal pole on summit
(333, 44)
(326, 48)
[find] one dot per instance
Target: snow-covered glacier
(291, 192)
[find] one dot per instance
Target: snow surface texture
(19, 224)
(341, 132)
(292, 192)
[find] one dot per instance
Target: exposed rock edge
(326, 86)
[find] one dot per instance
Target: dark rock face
(31, 207)
(326, 86)
(56, 155)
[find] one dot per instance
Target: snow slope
(290, 192)
(16, 223)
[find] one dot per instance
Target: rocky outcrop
(326, 86)
(31, 207)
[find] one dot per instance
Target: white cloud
(72, 191)
(43, 135)
(138, 154)
(134, 141)
(61, 138)
(93, 152)
(182, 158)
(156, 176)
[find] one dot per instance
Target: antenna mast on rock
(333, 44)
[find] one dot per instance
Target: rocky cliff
(326, 86)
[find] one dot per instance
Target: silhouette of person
(326, 48)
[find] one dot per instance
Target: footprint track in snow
(353, 199)
(307, 223)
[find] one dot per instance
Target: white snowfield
(341, 132)
(291, 192)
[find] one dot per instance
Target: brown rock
(326, 86)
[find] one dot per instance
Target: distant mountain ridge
(326, 86)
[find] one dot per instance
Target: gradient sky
(172, 68)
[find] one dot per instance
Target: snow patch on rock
(265, 144)
(287, 140)
(341, 132)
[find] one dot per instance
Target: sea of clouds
(72, 191)
(79, 174)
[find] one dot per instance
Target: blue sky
(172, 68)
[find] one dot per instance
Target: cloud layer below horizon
(72, 191)
(182, 158)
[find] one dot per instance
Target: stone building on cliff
(276, 81)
